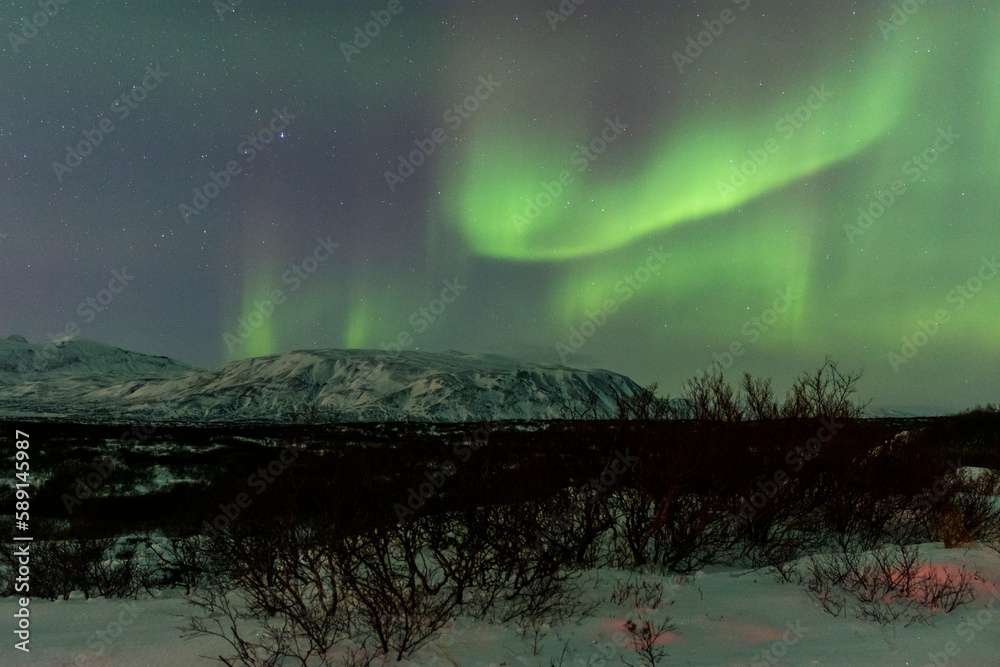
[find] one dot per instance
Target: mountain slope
(86, 380)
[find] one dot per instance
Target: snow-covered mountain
(87, 381)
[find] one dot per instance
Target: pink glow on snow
(618, 626)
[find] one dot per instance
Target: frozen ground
(720, 617)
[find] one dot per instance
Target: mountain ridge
(86, 380)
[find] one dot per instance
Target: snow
(717, 616)
(87, 381)
(720, 617)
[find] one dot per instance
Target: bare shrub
(827, 392)
(645, 405)
(863, 486)
(574, 524)
(711, 398)
(689, 530)
(779, 553)
(646, 599)
(945, 525)
(278, 597)
(515, 582)
(632, 510)
(885, 584)
(283, 591)
(646, 634)
(678, 531)
(94, 566)
(640, 594)
(403, 590)
(758, 399)
(784, 529)
(183, 561)
(971, 436)
(968, 511)
(824, 393)
(409, 580)
(948, 592)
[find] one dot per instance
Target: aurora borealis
(647, 188)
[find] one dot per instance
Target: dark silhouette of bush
(972, 437)
(276, 589)
(967, 511)
(74, 559)
(885, 583)
(824, 393)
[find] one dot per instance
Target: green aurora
(747, 169)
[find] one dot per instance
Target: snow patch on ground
(726, 617)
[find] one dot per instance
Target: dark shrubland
(367, 550)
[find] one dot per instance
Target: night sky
(645, 187)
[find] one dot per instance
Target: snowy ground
(719, 618)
